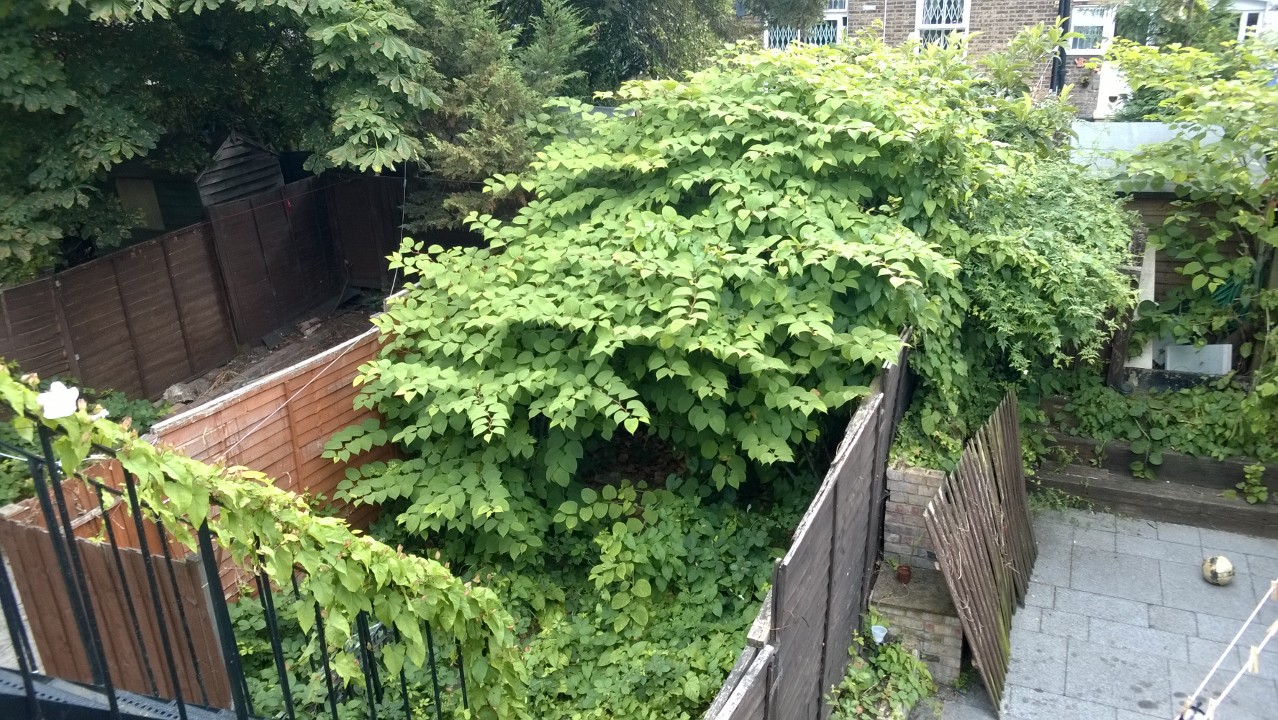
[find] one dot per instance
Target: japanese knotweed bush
(726, 264)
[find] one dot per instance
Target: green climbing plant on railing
(264, 527)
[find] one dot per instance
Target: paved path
(1119, 624)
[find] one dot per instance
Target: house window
(836, 5)
(1095, 25)
(827, 32)
(1247, 25)
(936, 20)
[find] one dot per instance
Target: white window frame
(1106, 24)
(834, 15)
(920, 28)
(1243, 27)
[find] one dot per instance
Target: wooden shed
(241, 167)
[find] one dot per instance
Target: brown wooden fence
(113, 578)
(980, 525)
(173, 308)
(798, 650)
(136, 321)
(279, 425)
(365, 215)
(277, 256)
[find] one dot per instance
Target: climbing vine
(270, 529)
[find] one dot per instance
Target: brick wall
(905, 536)
(937, 638)
(1086, 90)
(997, 21)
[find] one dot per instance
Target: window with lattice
(936, 20)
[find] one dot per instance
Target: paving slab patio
(1120, 625)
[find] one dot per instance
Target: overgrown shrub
(726, 265)
(641, 615)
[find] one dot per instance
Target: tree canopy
(370, 85)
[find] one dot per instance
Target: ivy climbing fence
(797, 650)
(95, 590)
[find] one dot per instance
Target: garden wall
(798, 649)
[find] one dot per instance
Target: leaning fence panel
(980, 525)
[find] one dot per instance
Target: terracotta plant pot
(903, 574)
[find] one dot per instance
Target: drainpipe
(1058, 62)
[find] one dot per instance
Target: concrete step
(1164, 501)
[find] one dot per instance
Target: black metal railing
(191, 685)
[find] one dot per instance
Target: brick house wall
(997, 21)
(1085, 92)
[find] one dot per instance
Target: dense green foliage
(1201, 23)
(726, 270)
(263, 527)
(1204, 421)
(1221, 165)
(490, 100)
(641, 615)
(1191, 23)
(883, 682)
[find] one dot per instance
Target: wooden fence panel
(854, 494)
(821, 587)
(280, 425)
(32, 332)
(320, 274)
(980, 524)
(200, 671)
(277, 259)
(364, 214)
(749, 697)
(244, 270)
(154, 323)
(99, 327)
(800, 592)
(198, 295)
(136, 321)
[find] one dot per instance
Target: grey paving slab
(1156, 549)
(1253, 698)
(1145, 640)
(1037, 662)
(1040, 595)
(1038, 705)
(1118, 678)
(1028, 618)
(1102, 606)
(1095, 539)
(1115, 575)
(1115, 632)
(1233, 542)
(1184, 588)
(1052, 567)
(1183, 534)
(1135, 527)
(1173, 620)
(1063, 624)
